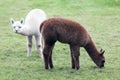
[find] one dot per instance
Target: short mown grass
(100, 17)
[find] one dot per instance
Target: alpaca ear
(22, 20)
(12, 21)
(102, 52)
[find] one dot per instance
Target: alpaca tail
(41, 26)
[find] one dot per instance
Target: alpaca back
(65, 31)
(34, 19)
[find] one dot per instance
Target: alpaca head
(100, 59)
(18, 26)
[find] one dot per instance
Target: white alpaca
(30, 28)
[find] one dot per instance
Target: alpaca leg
(29, 44)
(72, 59)
(46, 54)
(50, 58)
(39, 45)
(77, 61)
(75, 56)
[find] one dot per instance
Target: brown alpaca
(72, 33)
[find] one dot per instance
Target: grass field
(100, 17)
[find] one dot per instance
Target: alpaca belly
(73, 41)
(66, 40)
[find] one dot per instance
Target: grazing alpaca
(72, 33)
(30, 28)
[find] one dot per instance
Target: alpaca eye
(14, 26)
(19, 26)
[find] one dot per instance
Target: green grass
(100, 17)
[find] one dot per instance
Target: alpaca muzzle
(102, 64)
(16, 31)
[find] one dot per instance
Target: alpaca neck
(26, 31)
(92, 50)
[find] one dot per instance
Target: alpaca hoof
(42, 57)
(28, 55)
(46, 68)
(77, 68)
(52, 67)
(73, 67)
